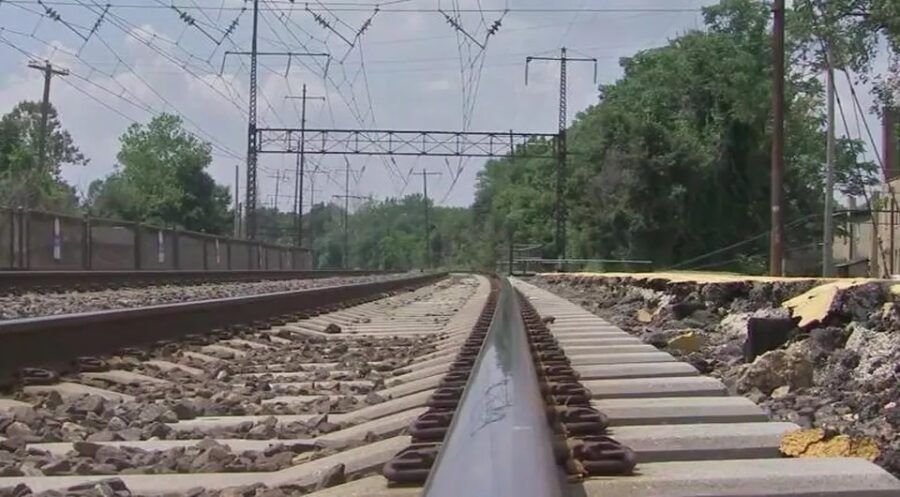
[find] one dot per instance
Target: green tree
(674, 160)
(24, 181)
(390, 234)
(162, 179)
(853, 29)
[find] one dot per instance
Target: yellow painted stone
(866, 448)
(644, 316)
(813, 306)
(687, 343)
(795, 443)
(813, 443)
(838, 446)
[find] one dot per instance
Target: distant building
(860, 249)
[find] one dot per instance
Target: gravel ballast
(239, 372)
(47, 304)
(838, 372)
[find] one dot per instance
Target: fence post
(205, 249)
(176, 262)
(86, 241)
(228, 251)
(12, 238)
(26, 227)
(20, 242)
(137, 246)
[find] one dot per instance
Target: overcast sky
(409, 70)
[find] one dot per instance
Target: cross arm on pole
(289, 55)
(46, 66)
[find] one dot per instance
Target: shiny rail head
(500, 443)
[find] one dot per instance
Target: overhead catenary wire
(134, 99)
(333, 7)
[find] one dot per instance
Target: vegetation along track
(462, 385)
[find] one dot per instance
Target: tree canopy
(162, 179)
(26, 181)
(674, 159)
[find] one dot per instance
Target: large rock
(765, 334)
(18, 429)
(687, 343)
(186, 409)
(72, 432)
(735, 325)
(783, 367)
(823, 341)
(878, 353)
(157, 412)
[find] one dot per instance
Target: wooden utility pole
(312, 203)
(425, 174)
(278, 179)
(49, 71)
(300, 168)
(828, 229)
(776, 245)
(345, 256)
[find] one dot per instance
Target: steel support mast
(425, 174)
(345, 257)
(561, 146)
(250, 202)
(300, 168)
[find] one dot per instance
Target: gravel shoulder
(822, 355)
(48, 304)
(270, 406)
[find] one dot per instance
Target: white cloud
(425, 94)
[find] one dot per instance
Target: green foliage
(674, 160)
(386, 234)
(24, 181)
(853, 30)
(163, 180)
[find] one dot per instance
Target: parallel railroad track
(462, 387)
(17, 282)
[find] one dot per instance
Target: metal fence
(31, 239)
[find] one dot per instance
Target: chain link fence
(31, 239)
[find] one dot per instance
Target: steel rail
(24, 281)
(55, 341)
(500, 443)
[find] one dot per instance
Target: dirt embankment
(824, 355)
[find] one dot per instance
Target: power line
(367, 7)
(134, 101)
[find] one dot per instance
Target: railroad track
(18, 282)
(462, 385)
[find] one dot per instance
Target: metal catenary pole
(250, 202)
(252, 137)
(345, 256)
(425, 174)
(300, 168)
(561, 145)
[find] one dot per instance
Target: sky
(409, 69)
